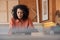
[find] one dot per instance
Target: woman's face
(19, 13)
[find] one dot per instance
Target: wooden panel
(11, 3)
(32, 8)
(53, 9)
(3, 12)
(57, 4)
(50, 10)
(40, 10)
(2, 5)
(3, 17)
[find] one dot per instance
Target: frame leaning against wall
(45, 13)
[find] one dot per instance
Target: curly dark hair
(25, 10)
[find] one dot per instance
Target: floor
(29, 37)
(4, 35)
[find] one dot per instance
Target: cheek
(21, 15)
(18, 15)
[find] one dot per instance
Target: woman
(56, 28)
(20, 18)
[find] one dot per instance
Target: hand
(9, 33)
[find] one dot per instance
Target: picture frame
(45, 13)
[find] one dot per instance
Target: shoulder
(29, 20)
(12, 20)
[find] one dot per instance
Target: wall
(50, 4)
(51, 9)
(57, 4)
(32, 8)
(6, 6)
(5, 10)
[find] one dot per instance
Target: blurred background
(36, 9)
(42, 13)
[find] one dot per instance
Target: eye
(18, 12)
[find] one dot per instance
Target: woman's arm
(11, 25)
(30, 24)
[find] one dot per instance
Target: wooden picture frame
(45, 13)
